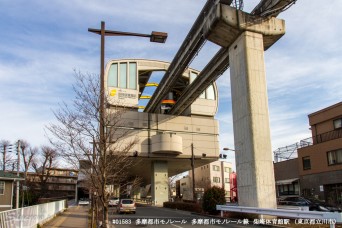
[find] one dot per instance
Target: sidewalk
(73, 217)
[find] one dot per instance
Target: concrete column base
(159, 183)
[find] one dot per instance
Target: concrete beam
(227, 23)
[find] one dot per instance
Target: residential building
(286, 175)
(7, 190)
(320, 165)
(313, 168)
(216, 173)
(61, 183)
(185, 186)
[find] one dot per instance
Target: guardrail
(31, 216)
(301, 213)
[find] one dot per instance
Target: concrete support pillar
(255, 175)
(160, 180)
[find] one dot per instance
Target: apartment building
(60, 182)
(320, 165)
(216, 173)
(315, 169)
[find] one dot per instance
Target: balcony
(327, 136)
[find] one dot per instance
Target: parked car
(312, 203)
(83, 202)
(113, 201)
(126, 205)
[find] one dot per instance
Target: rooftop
(9, 176)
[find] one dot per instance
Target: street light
(157, 37)
(224, 156)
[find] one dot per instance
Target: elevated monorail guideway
(191, 45)
(207, 76)
(220, 62)
(212, 24)
(272, 8)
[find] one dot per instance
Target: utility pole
(93, 190)
(6, 148)
(18, 166)
(4, 158)
(193, 172)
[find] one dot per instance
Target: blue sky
(43, 42)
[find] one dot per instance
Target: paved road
(153, 216)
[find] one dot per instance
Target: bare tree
(43, 166)
(28, 154)
(77, 138)
(7, 159)
(172, 183)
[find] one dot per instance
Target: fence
(29, 217)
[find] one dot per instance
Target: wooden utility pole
(193, 172)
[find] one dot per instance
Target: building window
(113, 75)
(288, 189)
(226, 180)
(227, 169)
(306, 163)
(334, 157)
(338, 123)
(132, 76)
(123, 75)
(216, 168)
(209, 93)
(216, 179)
(2, 187)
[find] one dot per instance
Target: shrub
(212, 197)
(193, 207)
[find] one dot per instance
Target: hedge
(193, 207)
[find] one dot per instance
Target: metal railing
(327, 136)
(334, 217)
(31, 216)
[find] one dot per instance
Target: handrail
(299, 214)
(32, 215)
(327, 136)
